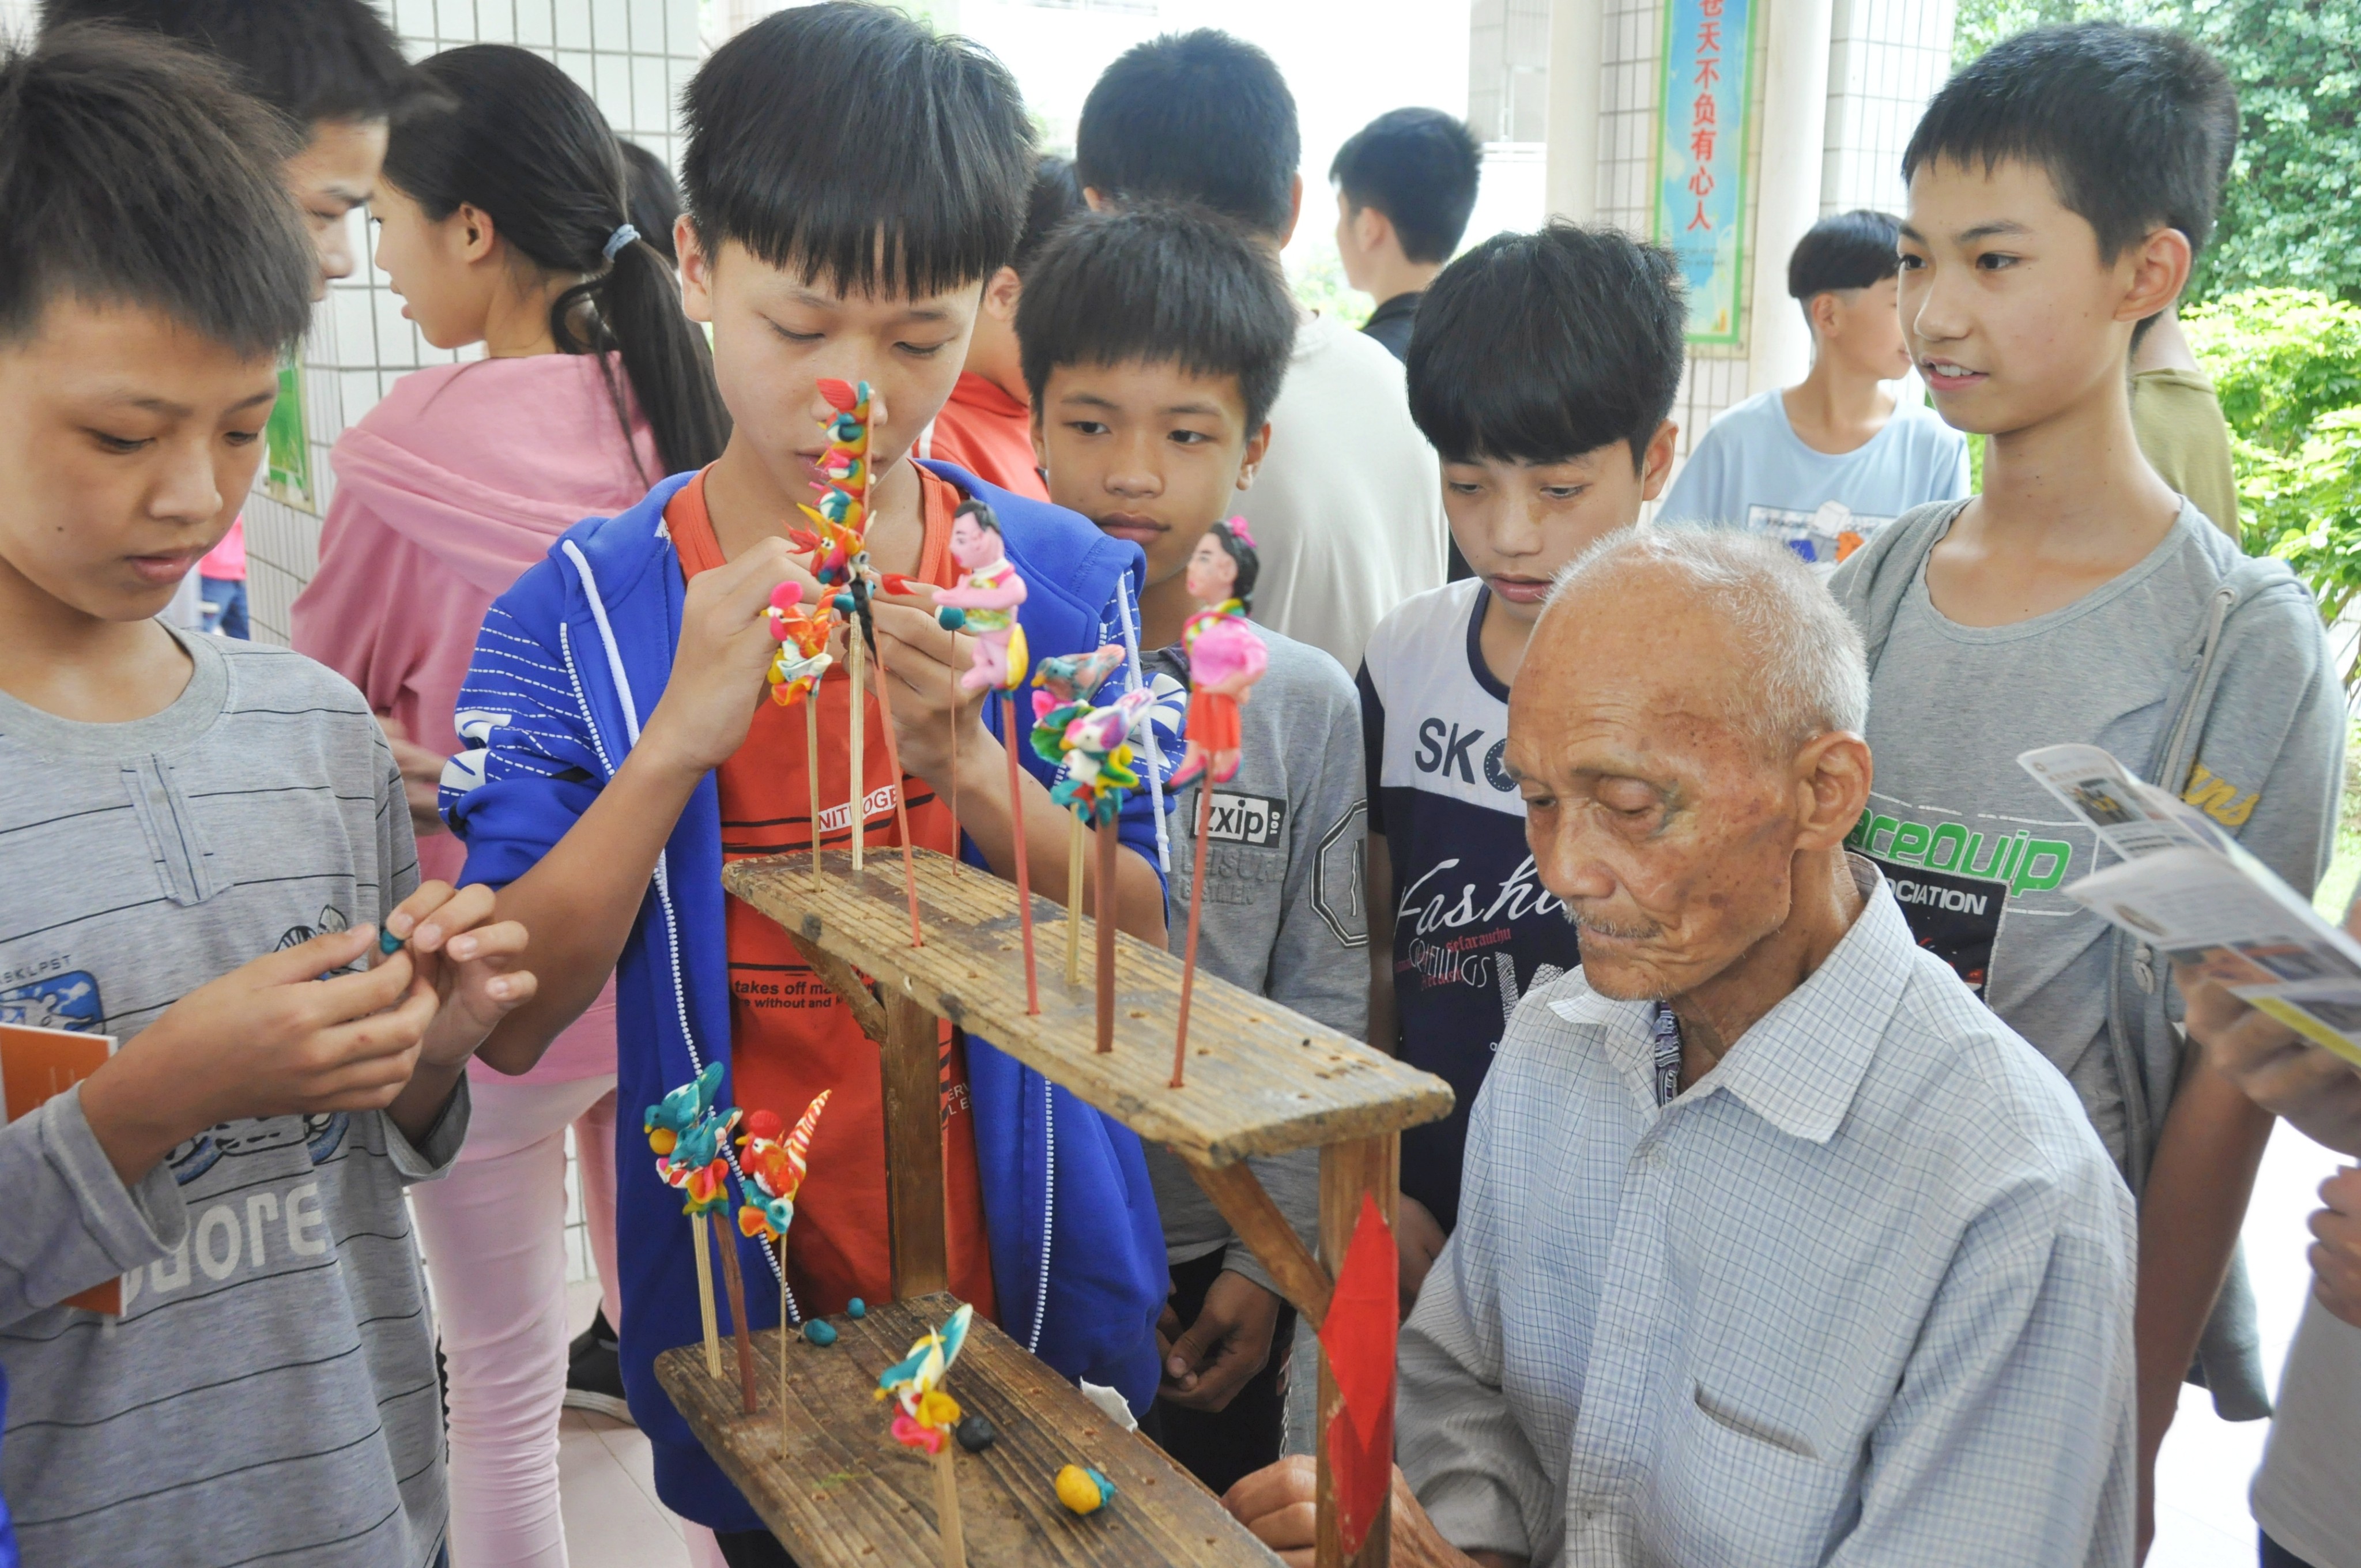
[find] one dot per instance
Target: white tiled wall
(1886, 57)
(633, 56)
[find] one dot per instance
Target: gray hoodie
(2207, 673)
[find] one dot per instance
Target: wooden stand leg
(1348, 1170)
(912, 1071)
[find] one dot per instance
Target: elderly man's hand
(1279, 1503)
(2336, 1254)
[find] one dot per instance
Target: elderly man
(1776, 1248)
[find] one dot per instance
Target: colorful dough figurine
(770, 1172)
(925, 1417)
(796, 671)
(1083, 1490)
(1094, 747)
(686, 1131)
(840, 560)
(1225, 658)
(984, 604)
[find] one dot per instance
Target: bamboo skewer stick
(901, 803)
(860, 713)
(1074, 858)
(783, 1426)
(946, 1508)
(1024, 870)
(1103, 907)
(811, 768)
(743, 1336)
(704, 1297)
(1196, 904)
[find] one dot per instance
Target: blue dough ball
(818, 1331)
(856, 1308)
(949, 617)
(388, 943)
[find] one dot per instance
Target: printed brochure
(2185, 886)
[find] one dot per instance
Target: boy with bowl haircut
(1155, 341)
(1823, 465)
(2059, 188)
(629, 748)
(1538, 463)
(200, 841)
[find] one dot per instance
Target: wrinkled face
(335, 173)
(130, 443)
(1517, 522)
(427, 262)
(777, 336)
(1213, 572)
(1149, 452)
(2011, 314)
(1661, 823)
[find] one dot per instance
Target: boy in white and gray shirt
(199, 842)
(1154, 342)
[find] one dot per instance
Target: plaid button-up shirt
(1863, 1294)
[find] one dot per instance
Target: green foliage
(2305, 507)
(1319, 283)
(2292, 215)
(2286, 366)
(2279, 359)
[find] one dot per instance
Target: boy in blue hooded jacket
(623, 748)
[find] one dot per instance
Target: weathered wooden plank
(840, 1493)
(1348, 1170)
(911, 1067)
(1262, 1079)
(1239, 1193)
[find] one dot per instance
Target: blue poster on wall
(1703, 111)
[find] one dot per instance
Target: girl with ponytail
(503, 223)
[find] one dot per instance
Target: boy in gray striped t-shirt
(199, 841)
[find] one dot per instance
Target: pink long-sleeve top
(446, 490)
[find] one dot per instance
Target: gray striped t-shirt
(268, 1394)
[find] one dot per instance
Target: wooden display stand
(840, 1493)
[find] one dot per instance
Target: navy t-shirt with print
(1474, 929)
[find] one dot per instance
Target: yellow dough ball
(1081, 1491)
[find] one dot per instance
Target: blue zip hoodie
(570, 662)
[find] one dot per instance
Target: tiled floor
(613, 1519)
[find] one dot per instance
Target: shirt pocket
(1733, 1487)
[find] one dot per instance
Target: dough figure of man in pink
(985, 606)
(1225, 658)
(986, 601)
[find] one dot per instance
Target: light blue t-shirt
(1750, 470)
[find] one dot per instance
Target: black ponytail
(515, 137)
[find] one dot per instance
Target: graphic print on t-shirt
(1474, 927)
(1954, 880)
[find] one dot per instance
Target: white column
(1576, 54)
(1794, 127)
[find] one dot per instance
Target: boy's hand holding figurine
(297, 1033)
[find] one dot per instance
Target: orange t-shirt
(790, 1037)
(990, 434)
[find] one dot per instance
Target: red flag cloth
(1358, 1338)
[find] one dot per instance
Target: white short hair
(1809, 674)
